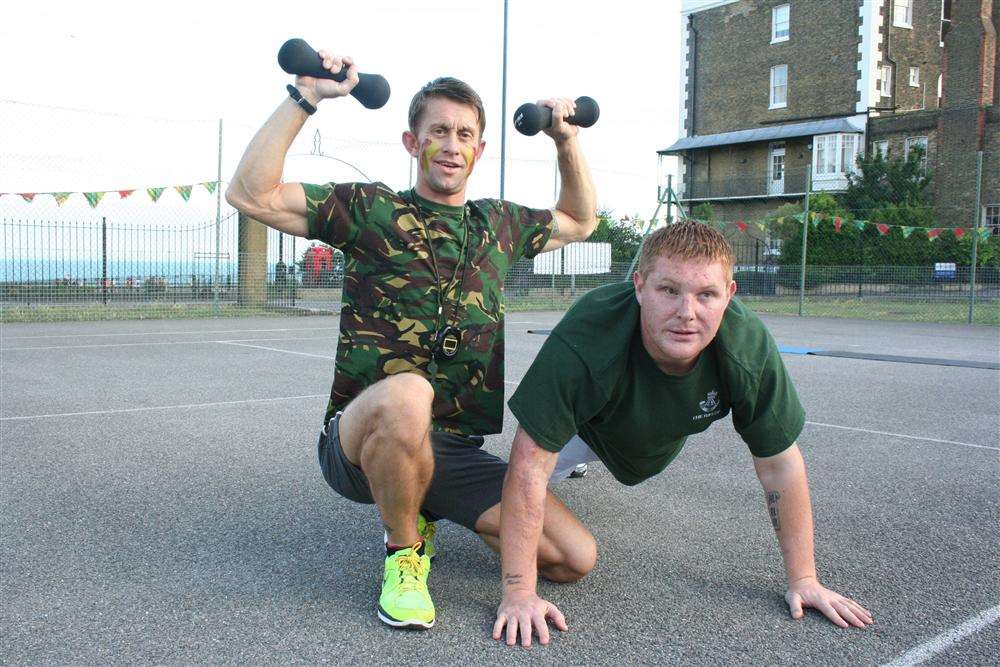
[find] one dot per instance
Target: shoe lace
(411, 567)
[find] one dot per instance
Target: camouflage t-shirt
(390, 303)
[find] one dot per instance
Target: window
(885, 80)
(848, 152)
(940, 81)
(902, 13)
(779, 24)
(779, 87)
(834, 155)
(993, 219)
(915, 77)
(881, 147)
(916, 141)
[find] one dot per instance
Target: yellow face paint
(427, 153)
(469, 153)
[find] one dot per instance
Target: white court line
(946, 639)
(171, 342)
(185, 406)
(168, 333)
(275, 349)
(901, 435)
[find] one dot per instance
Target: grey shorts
(467, 481)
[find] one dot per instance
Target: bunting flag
(815, 219)
(780, 220)
(154, 193)
(125, 194)
(907, 231)
(762, 226)
(837, 222)
(934, 233)
(27, 196)
(61, 197)
(882, 228)
(184, 191)
(742, 226)
(984, 234)
(860, 224)
(210, 186)
(959, 232)
(93, 198)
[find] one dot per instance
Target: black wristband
(301, 101)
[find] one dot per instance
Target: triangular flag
(184, 191)
(154, 193)
(800, 216)
(934, 233)
(27, 196)
(761, 226)
(984, 233)
(815, 220)
(959, 232)
(907, 231)
(837, 222)
(742, 226)
(211, 185)
(860, 224)
(882, 228)
(780, 220)
(61, 197)
(124, 194)
(93, 198)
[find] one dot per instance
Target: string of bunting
(933, 233)
(94, 198)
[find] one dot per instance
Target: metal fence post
(975, 233)
(104, 260)
(218, 225)
(805, 240)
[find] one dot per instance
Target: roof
(767, 133)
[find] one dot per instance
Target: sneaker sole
(412, 624)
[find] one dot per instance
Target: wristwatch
(301, 101)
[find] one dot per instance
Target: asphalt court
(161, 502)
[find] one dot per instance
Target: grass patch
(950, 312)
(146, 311)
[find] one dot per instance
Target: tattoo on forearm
(555, 226)
(772, 508)
(511, 579)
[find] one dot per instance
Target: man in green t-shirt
(419, 365)
(631, 371)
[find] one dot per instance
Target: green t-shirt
(390, 303)
(594, 377)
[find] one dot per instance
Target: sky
(122, 95)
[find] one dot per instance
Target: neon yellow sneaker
(427, 530)
(405, 601)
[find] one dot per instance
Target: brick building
(772, 88)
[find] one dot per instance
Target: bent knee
(573, 563)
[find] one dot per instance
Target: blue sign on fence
(944, 271)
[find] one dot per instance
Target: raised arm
(522, 514)
(783, 477)
(576, 210)
(256, 188)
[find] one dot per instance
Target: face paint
(469, 153)
(427, 152)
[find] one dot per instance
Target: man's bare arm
(786, 489)
(256, 188)
(522, 515)
(575, 213)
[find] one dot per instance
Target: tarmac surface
(162, 502)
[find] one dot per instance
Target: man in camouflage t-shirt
(419, 370)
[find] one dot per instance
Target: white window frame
(881, 147)
(902, 13)
(885, 80)
(830, 164)
(921, 141)
(775, 37)
(991, 218)
(784, 103)
(915, 77)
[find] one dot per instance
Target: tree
(623, 235)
